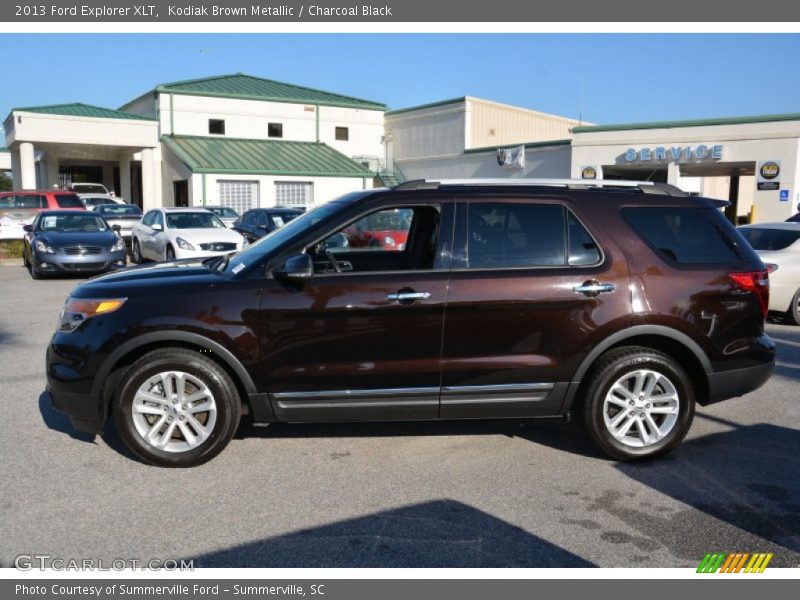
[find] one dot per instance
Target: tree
(6, 184)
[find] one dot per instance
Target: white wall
(431, 133)
(553, 161)
(144, 105)
(325, 188)
(249, 119)
(60, 129)
(5, 161)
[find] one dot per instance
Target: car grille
(92, 266)
(218, 246)
(82, 250)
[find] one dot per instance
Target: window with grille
(241, 196)
(294, 193)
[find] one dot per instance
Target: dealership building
(244, 141)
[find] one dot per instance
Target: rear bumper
(738, 382)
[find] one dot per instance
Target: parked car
(92, 201)
(125, 216)
(90, 188)
(778, 245)
(621, 303)
(18, 209)
(177, 233)
(226, 214)
(258, 222)
(63, 241)
(388, 230)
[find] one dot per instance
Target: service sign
(768, 175)
(589, 173)
(674, 153)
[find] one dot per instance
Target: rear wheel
(639, 403)
(793, 314)
(176, 408)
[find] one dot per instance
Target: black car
(258, 222)
(71, 241)
(624, 304)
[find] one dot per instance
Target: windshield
(769, 239)
(77, 223)
(89, 188)
(267, 244)
(193, 220)
(119, 209)
(225, 212)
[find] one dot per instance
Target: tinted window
(583, 249)
(6, 201)
(225, 212)
(149, 218)
(35, 201)
(515, 235)
(259, 220)
(68, 201)
(689, 235)
(769, 239)
(119, 209)
(89, 188)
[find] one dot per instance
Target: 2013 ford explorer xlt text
(623, 303)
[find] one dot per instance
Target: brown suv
(624, 303)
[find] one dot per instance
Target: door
(144, 234)
(180, 190)
(362, 339)
(529, 294)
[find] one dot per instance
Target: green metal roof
(244, 86)
(77, 109)
(689, 123)
(262, 157)
(528, 145)
(429, 105)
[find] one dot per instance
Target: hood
(147, 279)
(202, 236)
(60, 240)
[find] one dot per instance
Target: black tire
(35, 273)
(226, 397)
(169, 253)
(136, 252)
(792, 316)
(609, 369)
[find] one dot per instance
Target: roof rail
(646, 187)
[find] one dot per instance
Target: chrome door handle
(406, 296)
(593, 288)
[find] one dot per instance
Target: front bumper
(89, 263)
(181, 254)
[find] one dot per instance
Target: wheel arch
(109, 375)
(675, 344)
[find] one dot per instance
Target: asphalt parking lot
(468, 494)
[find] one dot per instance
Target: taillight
(756, 282)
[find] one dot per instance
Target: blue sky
(626, 78)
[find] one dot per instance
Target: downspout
(204, 188)
(171, 116)
(316, 110)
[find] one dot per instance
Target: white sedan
(177, 233)
(778, 245)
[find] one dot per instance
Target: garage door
(293, 193)
(241, 196)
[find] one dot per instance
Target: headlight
(183, 244)
(118, 246)
(77, 310)
(42, 247)
(388, 241)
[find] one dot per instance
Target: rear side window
(68, 201)
(526, 235)
(689, 235)
(32, 201)
(769, 239)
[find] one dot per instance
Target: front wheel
(793, 314)
(136, 252)
(639, 403)
(176, 408)
(169, 253)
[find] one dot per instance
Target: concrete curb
(11, 262)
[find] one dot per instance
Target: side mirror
(298, 267)
(28, 228)
(156, 227)
(116, 228)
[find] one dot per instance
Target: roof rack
(645, 187)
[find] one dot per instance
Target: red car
(387, 230)
(18, 209)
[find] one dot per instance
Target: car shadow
(439, 533)
(744, 477)
(56, 421)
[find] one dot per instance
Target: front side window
(68, 201)
(393, 239)
(149, 218)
